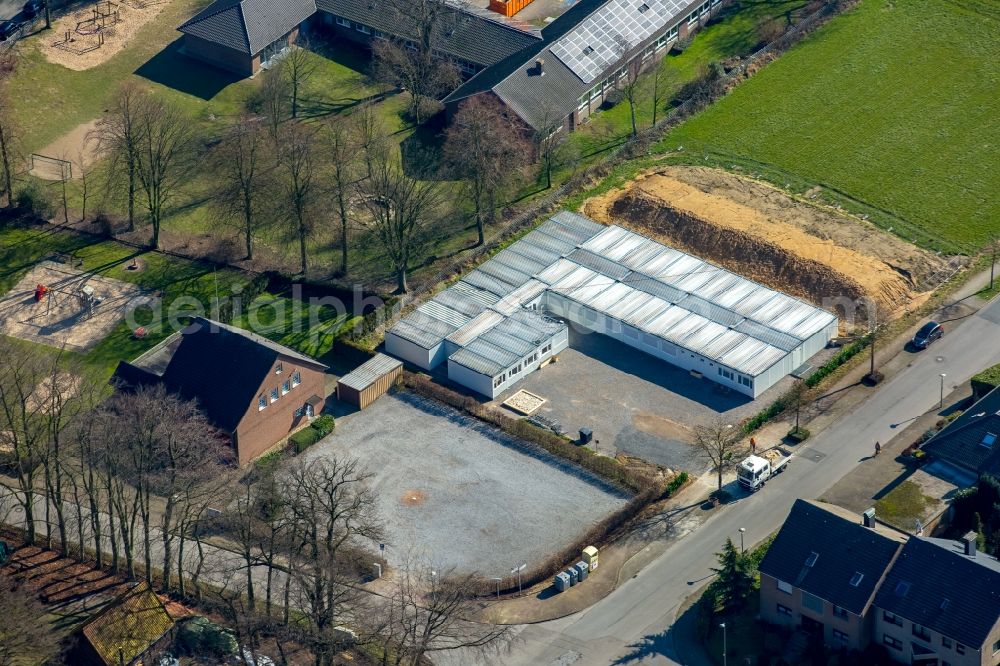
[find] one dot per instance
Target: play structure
(90, 31)
(84, 294)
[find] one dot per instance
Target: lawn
(903, 505)
(734, 31)
(187, 287)
(891, 108)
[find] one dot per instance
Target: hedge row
(606, 467)
(311, 434)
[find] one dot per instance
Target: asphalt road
(631, 625)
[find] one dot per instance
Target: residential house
(254, 390)
(970, 441)
(822, 571)
(940, 605)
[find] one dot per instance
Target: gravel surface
(454, 492)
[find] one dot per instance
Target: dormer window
(278, 369)
(988, 440)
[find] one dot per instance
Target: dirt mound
(766, 235)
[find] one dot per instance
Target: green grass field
(187, 287)
(892, 108)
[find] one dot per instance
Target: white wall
(412, 353)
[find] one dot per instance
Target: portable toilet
(574, 576)
(561, 581)
(582, 570)
(590, 557)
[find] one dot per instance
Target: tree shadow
(422, 152)
(173, 69)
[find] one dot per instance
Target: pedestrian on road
(878, 448)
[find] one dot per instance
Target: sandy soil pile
(766, 235)
(131, 17)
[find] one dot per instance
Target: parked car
(7, 28)
(927, 334)
(33, 8)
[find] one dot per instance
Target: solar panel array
(594, 46)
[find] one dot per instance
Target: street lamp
(725, 660)
(517, 570)
(941, 403)
(742, 532)
(498, 585)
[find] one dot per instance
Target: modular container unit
(366, 383)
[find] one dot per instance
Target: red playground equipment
(40, 292)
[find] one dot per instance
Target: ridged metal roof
(369, 372)
(660, 291)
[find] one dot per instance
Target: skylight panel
(856, 578)
(989, 439)
(811, 560)
(902, 588)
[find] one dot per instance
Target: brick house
(242, 36)
(854, 582)
(254, 390)
(822, 571)
(940, 605)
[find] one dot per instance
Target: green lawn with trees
(891, 108)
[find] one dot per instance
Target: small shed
(363, 385)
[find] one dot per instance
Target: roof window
(587, 50)
(989, 439)
(643, 8)
(945, 603)
(902, 588)
(856, 578)
(811, 560)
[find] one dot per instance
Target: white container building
(492, 326)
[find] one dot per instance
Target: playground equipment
(84, 295)
(89, 33)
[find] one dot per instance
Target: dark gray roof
(543, 101)
(843, 549)
(222, 367)
(465, 32)
(945, 590)
(967, 442)
(248, 25)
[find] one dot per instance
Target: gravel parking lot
(633, 402)
(454, 492)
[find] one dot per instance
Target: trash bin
(586, 434)
(561, 581)
(590, 557)
(582, 570)
(574, 576)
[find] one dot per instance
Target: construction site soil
(758, 231)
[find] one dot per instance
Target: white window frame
(261, 403)
(286, 386)
(279, 368)
(296, 378)
(784, 587)
(341, 21)
(274, 395)
(362, 28)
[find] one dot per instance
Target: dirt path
(73, 147)
(770, 237)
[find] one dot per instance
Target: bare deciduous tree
(628, 66)
(487, 148)
(246, 179)
(717, 441)
(369, 134)
(10, 134)
(117, 135)
(400, 211)
(429, 612)
(297, 67)
(660, 89)
(274, 95)
(165, 147)
(413, 64)
(297, 174)
(342, 152)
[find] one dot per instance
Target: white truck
(754, 471)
